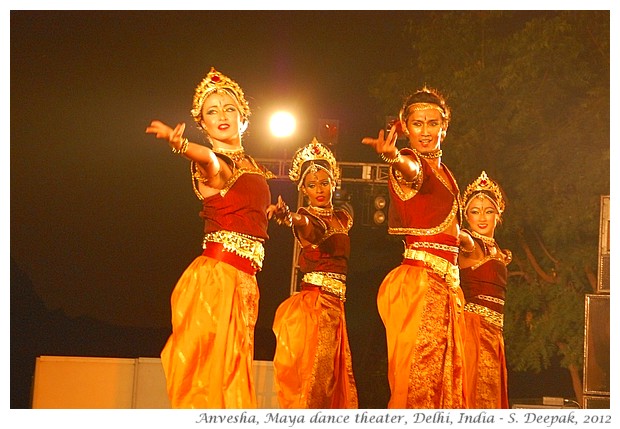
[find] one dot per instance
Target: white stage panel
(70, 382)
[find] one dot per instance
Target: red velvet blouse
(488, 279)
(425, 208)
(241, 208)
(331, 252)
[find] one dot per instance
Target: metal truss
(350, 172)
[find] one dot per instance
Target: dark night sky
(103, 217)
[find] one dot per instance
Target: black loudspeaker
(596, 402)
(328, 131)
(603, 248)
(596, 378)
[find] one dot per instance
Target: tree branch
(549, 278)
(542, 246)
(592, 278)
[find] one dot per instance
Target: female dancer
(208, 357)
(312, 362)
(483, 280)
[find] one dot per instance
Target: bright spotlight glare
(282, 124)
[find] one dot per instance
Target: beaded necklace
(235, 154)
(322, 212)
(430, 155)
(327, 213)
(489, 242)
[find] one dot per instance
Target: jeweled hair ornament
(213, 82)
(484, 187)
(425, 105)
(310, 153)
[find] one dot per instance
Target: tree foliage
(530, 97)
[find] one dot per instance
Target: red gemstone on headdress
(316, 150)
(483, 182)
(215, 78)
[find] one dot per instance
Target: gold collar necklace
(489, 241)
(322, 212)
(430, 155)
(235, 154)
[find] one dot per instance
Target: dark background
(103, 217)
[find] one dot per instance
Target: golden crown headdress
(439, 104)
(215, 81)
(313, 151)
(484, 187)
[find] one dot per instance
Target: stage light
(282, 124)
(328, 131)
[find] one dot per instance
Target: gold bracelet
(394, 160)
(287, 219)
(183, 148)
(467, 250)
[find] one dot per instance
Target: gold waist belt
(433, 245)
(329, 282)
(491, 299)
(241, 245)
(491, 316)
(448, 271)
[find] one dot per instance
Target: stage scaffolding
(350, 172)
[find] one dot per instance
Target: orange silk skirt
(487, 376)
(312, 362)
(208, 358)
(424, 327)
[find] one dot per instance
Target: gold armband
(394, 160)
